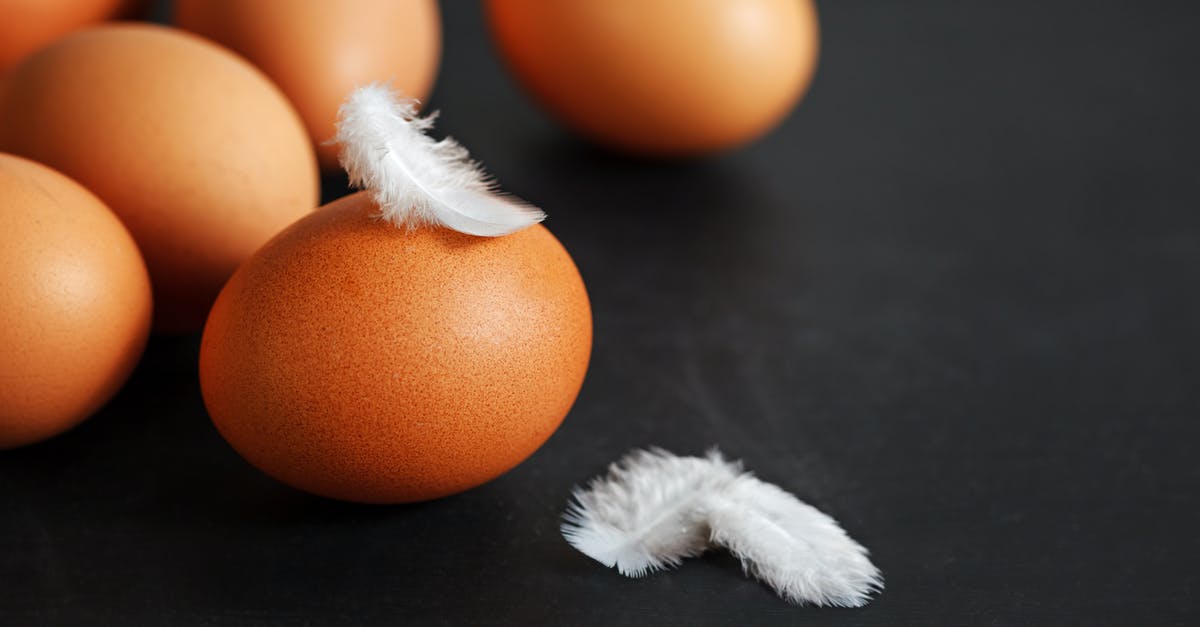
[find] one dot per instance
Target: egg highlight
(75, 303)
(317, 51)
(197, 152)
(661, 77)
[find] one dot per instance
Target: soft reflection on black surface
(589, 177)
(676, 222)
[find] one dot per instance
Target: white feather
(654, 509)
(644, 515)
(791, 546)
(415, 180)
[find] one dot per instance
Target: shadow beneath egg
(694, 211)
(693, 229)
(268, 502)
(586, 175)
(334, 185)
(153, 452)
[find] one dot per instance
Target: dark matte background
(952, 301)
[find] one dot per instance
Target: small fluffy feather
(791, 546)
(415, 180)
(644, 515)
(654, 509)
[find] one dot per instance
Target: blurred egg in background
(197, 152)
(75, 303)
(661, 77)
(26, 25)
(317, 51)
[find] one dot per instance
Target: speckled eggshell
(75, 303)
(359, 361)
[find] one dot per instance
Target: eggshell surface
(195, 150)
(661, 77)
(359, 361)
(317, 51)
(26, 25)
(75, 303)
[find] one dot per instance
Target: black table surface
(952, 301)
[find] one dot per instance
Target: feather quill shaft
(415, 180)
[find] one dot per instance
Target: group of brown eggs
(142, 166)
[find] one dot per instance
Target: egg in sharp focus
(365, 362)
(75, 303)
(661, 77)
(319, 50)
(197, 152)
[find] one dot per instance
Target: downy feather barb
(415, 180)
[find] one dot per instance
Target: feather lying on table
(415, 180)
(654, 509)
(644, 515)
(791, 546)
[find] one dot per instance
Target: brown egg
(75, 303)
(26, 25)
(364, 362)
(318, 51)
(196, 151)
(661, 77)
